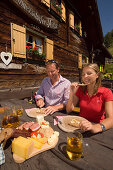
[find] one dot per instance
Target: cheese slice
(22, 147)
(37, 144)
(42, 140)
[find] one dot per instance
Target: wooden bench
(76, 109)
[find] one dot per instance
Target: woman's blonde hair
(95, 67)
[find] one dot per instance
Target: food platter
(34, 112)
(40, 140)
(64, 123)
(35, 151)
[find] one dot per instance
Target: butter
(22, 147)
(40, 119)
(53, 138)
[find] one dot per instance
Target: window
(75, 23)
(34, 41)
(85, 59)
(29, 41)
(38, 43)
(26, 43)
(56, 6)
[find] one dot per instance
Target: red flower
(27, 47)
(36, 48)
(32, 49)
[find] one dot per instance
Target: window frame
(36, 34)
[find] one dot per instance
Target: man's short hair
(53, 62)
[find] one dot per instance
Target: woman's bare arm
(73, 100)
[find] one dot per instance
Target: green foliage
(110, 49)
(77, 27)
(109, 70)
(58, 7)
(108, 76)
(108, 39)
(34, 52)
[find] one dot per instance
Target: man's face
(52, 71)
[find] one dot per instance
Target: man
(54, 91)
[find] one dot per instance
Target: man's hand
(50, 110)
(40, 103)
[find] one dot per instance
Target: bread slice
(74, 122)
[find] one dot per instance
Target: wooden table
(98, 149)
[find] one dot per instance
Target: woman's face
(89, 76)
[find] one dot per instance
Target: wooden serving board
(45, 147)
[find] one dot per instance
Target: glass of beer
(10, 119)
(74, 146)
(18, 110)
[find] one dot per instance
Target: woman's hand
(73, 87)
(40, 103)
(73, 99)
(85, 125)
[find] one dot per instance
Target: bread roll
(74, 122)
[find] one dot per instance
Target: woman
(96, 102)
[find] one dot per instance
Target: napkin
(55, 121)
(2, 155)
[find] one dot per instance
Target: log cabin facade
(34, 31)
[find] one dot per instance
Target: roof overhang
(88, 10)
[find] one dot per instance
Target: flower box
(56, 8)
(33, 54)
(77, 28)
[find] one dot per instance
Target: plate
(34, 112)
(64, 125)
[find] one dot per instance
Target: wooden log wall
(66, 47)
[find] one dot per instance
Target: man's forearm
(60, 107)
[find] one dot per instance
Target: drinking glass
(17, 109)
(74, 146)
(10, 119)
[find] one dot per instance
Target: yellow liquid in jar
(74, 148)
